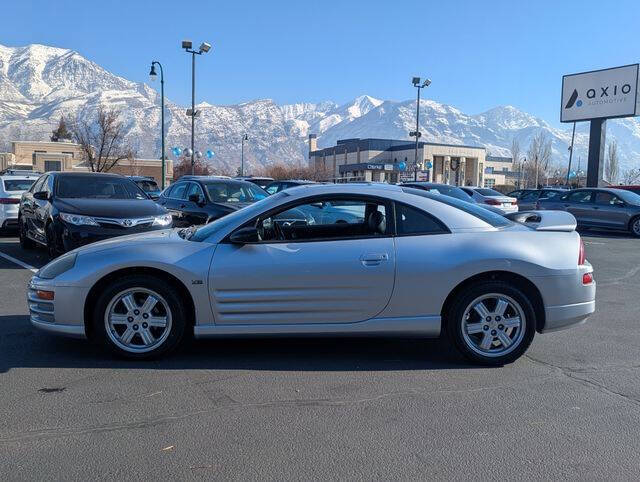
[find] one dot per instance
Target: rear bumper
(565, 316)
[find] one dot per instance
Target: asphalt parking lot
(327, 408)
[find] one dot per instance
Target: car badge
(127, 223)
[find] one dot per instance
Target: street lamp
(416, 83)
(244, 138)
(203, 49)
(153, 76)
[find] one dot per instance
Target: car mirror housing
(248, 234)
(42, 195)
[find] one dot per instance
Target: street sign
(600, 94)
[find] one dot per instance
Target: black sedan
(195, 200)
(64, 210)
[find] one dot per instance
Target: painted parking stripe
(18, 262)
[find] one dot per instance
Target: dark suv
(148, 185)
(195, 200)
(64, 210)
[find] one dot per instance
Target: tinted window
(234, 192)
(194, 188)
(579, 197)
(97, 187)
(529, 196)
(489, 192)
(38, 184)
(410, 220)
(550, 194)
(179, 191)
(607, 198)
(148, 186)
(489, 217)
(452, 191)
(272, 188)
(18, 184)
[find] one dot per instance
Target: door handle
(373, 259)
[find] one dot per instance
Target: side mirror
(248, 234)
(41, 195)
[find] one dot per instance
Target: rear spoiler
(545, 220)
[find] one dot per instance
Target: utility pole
(417, 85)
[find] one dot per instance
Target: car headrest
(377, 222)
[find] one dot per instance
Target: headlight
(163, 220)
(57, 266)
(78, 219)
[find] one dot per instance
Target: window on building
(52, 166)
(70, 153)
(489, 183)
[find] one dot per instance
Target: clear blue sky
(479, 54)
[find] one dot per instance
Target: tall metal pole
(152, 74)
(193, 110)
(242, 158)
(573, 135)
(415, 166)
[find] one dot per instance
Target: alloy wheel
(636, 227)
(138, 320)
(493, 325)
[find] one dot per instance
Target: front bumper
(72, 236)
(64, 315)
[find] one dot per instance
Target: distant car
(599, 208)
(65, 210)
(262, 182)
(451, 191)
(277, 186)
(148, 185)
(633, 189)
(529, 198)
(484, 195)
(11, 189)
(196, 200)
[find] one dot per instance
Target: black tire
(453, 324)
(52, 247)
(634, 227)
(25, 242)
(178, 325)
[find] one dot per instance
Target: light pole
(153, 76)
(203, 49)
(245, 137)
(573, 135)
(417, 85)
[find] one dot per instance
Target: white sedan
(11, 189)
(493, 198)
(415, 263)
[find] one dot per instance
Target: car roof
(85, 174)
(428, 184)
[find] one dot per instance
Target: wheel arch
(517, 280)
(137, 270)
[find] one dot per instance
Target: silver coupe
(414, 263)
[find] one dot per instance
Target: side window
(272, 189)
(412, 221)
(47, 185)
(529, 196)
(607, 199)
(579, 197)
(194, 188)
(179, 190)
(167, 191)
(37, 186)
(327, 219)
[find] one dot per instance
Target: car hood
(149, 238)
(110, 208)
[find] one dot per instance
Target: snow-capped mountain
(39, 84)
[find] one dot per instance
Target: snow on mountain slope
(39, 84)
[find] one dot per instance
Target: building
(499, 171)
(389, 160)
(45, 156)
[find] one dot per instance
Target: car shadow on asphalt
(23, 347)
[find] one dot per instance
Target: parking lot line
(18, 262)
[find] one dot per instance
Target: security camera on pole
(417, 133)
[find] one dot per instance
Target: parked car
(452, 191)
(416, 264)
(528, 198)
(64, 210)
(11, 188)
(261, 182)
(195, 200)
(277, 186)
(148, 185)
(492, 197)
(599, 208)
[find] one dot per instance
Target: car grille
(124, 223)
(40, 310)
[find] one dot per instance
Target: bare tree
(538, 156)
(102, 140)
(515, 156)
(611, 166)
(630, 176)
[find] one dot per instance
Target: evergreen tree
(61, 133)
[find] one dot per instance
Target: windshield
(488, 192)
(18, 184)
(203, 232)
(148, 186)
(489, 217)
(234, 192)
(98, 187)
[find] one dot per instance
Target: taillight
(9, 200)
(581, 256)
(493, 202)
(587, 278)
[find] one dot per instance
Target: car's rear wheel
(25, 242)
(139, 317)
(634, 227)
(492, 323)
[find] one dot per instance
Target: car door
(27, 205)
(579, 204)
(42, 209)
(194, 213)
(174, 203)
(609, 211)
(313, 273)
(527, 201)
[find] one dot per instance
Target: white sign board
(600, 94)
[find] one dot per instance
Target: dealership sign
(600, 94)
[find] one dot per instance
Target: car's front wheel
(25, 242)
(139, 317)
(492, 323)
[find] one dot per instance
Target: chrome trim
(125, 222)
